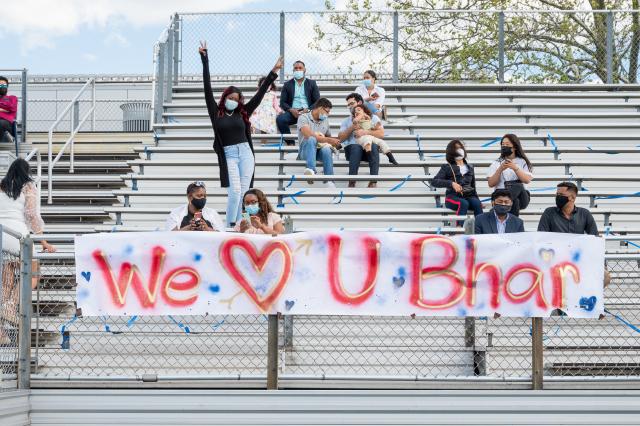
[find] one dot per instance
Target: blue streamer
(293, 178)
(219, 323)
(179, 324)
(366, 197)
(553, 142)
(131, 321)
(64, 326)
(491, 142)
(612, 197)
(401, 184)
(590, 148)
(106, 326)
(292, 196)
(420, 153)
(623, 321)
(438, 156)
(339, 198)
(438, 230)
(546, 336)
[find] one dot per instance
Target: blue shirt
(347, 122)
(502, 226)
(299, 98)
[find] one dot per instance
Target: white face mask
(460, 153)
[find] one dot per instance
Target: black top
(581, 222)
(250, 106)
(231, 129)
(311, 91)
(187, 219)
(444, 178)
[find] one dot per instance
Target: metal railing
(166, 54)
(75, 123)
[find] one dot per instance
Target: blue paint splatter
(398, 282)
(462, 312)
(82, 294)
(402, 272)
(197, 257)
(588, 303)
(86, 275)
(261, 289)
(214, 288)
(575, 257)
(218, 324)
(128, 250)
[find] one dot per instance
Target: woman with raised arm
(232, 135)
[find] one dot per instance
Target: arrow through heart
(259, 262)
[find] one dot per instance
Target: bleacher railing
(339, 351)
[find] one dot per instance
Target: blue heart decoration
(588, 303)
(288, 304)
(398, 281)
(86, 275)
(197, 257)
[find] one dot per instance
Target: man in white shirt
(195, 216)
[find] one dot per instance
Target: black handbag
(467, 190)
(518, 191)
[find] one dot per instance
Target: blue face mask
(230, 104)
(298, 74)
(252, 209)
(367, 83)
(323, 117)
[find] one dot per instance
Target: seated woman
(372, 94)
(512, 171)
(458, 177)
(258, 216)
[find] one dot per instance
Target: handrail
(75, 124)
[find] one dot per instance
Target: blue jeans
(310, 153)
(462, 205)
(283, 121)
(240, 164)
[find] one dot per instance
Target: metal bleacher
(588, 134)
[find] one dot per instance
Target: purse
(467, 190)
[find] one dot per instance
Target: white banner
(339, 273)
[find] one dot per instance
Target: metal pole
(610, 48)
(160, 83)
(93, 105)
(23, 137)
(396, 31)
(282, 43)
(76, 123)
(169, 88)
(501, 47)
(24, 331)
(537, 350)
(272, 353)
(176, 47)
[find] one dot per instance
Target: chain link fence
(430, 46)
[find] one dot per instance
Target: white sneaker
(330, 185)
(309, 172)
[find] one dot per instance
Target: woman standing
(372, 94)
(232, 133)
(459, 178)
(512, 170)
(19, 201)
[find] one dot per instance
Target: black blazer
(486, 224)
(311, 91)
(444, 178)
(212, 107)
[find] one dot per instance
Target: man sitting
(565, 217)
(296, 98)
(498, 220)
(8, 111)
(195, 216)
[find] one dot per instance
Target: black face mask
(506, 151)
(561, 201)
(3, 91)
(501, 210)
(199, 203)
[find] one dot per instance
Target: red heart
(259, 261)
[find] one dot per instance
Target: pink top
(10, 104)
(273, 219)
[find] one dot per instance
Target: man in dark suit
(498, 220)
(297, 96)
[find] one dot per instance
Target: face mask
(298, 75)
(460, 153)
(252, 209)
(561, 201)
(199, 203)
(3, 91)
(323, 117)
(506, 151)
(501, 210)
(367, 83)
(230, 104)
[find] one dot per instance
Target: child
(321, 145)
(362, 118)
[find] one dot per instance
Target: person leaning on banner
(258, 216)
(195, 216)
(498, 220)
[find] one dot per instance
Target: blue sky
(104, 36)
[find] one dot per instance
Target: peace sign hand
(279, 64)
(203, 48)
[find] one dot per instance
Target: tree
(542, 43)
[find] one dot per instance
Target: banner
(339, 273)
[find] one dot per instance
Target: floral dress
(264, 117)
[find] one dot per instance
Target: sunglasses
(199, 184)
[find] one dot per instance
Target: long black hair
(517, 148)
(451, 153)
(15, 179)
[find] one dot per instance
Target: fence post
(501, 47)
(282, 43)
(272, 352)
(23, 137)
(479, 357)
(160, 82)
(396, 35)
(537, 350)
(176, 47)
(610, 48)
(24, 327)
(170, 53)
